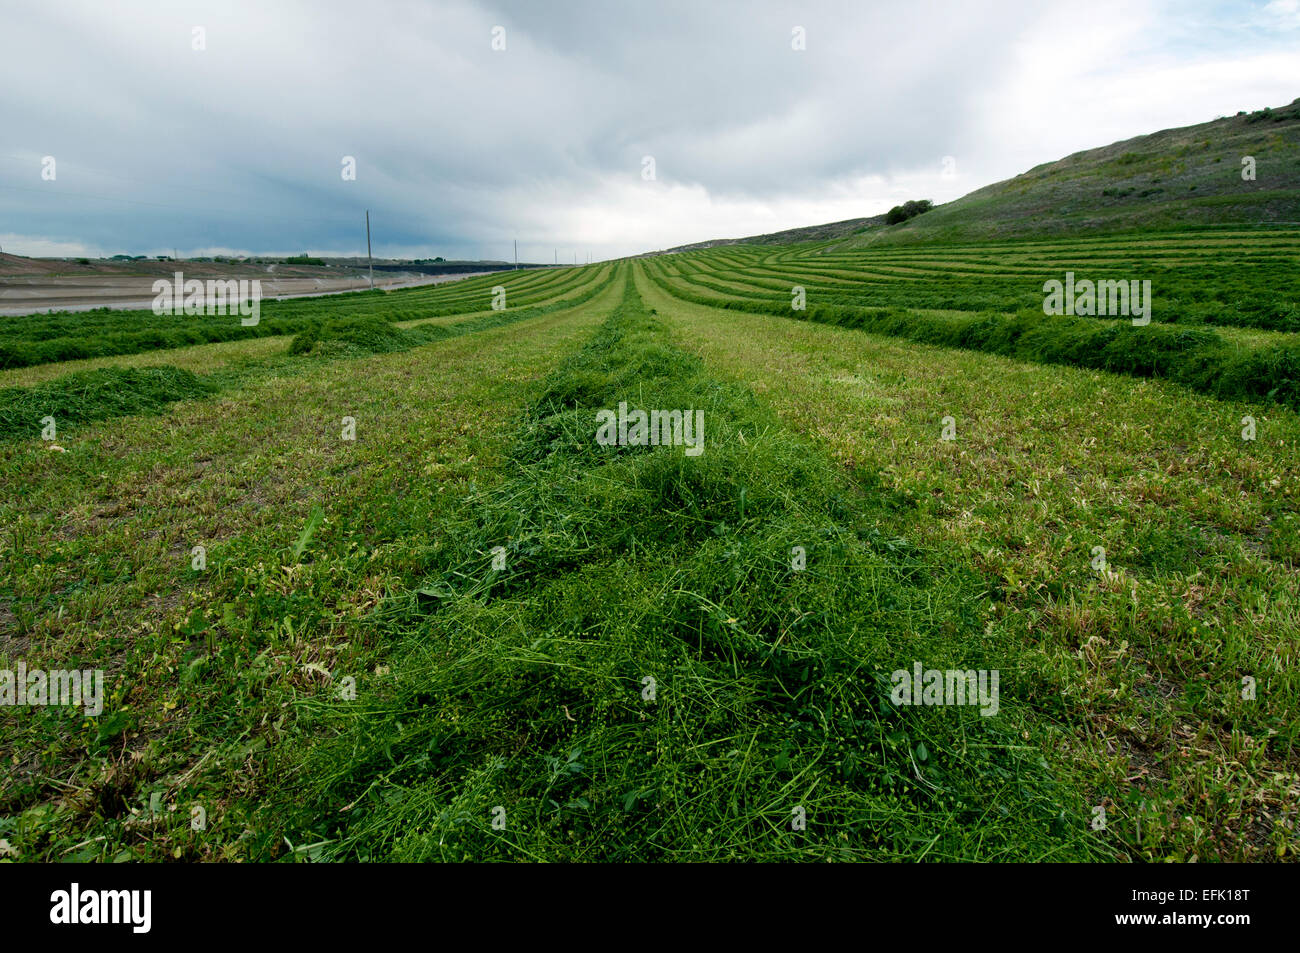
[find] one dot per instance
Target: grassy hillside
(1166, 180)
(1169, 179)
(791, 236)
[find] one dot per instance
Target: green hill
(1169, 179)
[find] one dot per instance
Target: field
(461, 628)
(34, 339)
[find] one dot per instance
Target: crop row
(1231, 281)
(28, 340)
(1199, 358)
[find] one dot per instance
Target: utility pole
(516, 254)
(557, 255)
(369, 260)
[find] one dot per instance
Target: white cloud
(1283, 13)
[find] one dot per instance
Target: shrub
(910, 209)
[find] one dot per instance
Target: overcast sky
(461, 148)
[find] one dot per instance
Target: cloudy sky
(223, 127)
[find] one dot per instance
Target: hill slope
(1169, 179)
(790, 236)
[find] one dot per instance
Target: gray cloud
(461, 149)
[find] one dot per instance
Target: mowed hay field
(475, 632)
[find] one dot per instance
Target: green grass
(1206, 293)
(517, 694)
(115, 391)
(207, 670)
(94, 395)
(520, 693)
(30, 340)
(1143, 663)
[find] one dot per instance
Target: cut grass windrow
(1174, 664)
(1198, 358)
(113, 391)
(613, 653)
(33, 339)
(207, 666)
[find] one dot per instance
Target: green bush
(901, 213)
